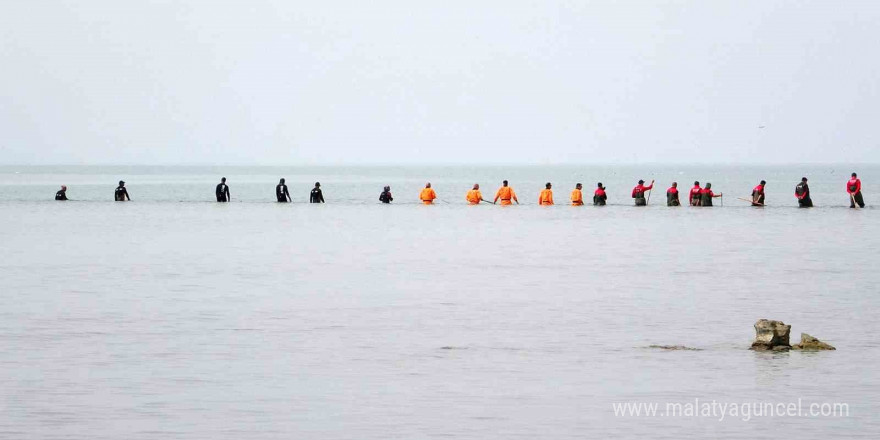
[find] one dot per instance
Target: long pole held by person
(853, 198)
(649, 192)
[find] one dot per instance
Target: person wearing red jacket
(695, 194)
(758, 194)
(600, 197)
(672, 195)
(639, 192)
(707, 195)
(802, 192)
(854, 188)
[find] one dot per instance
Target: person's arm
(497, 196)
(126, 194)
(228, 195)
(513, 196)
(287, 194)
(321, 195)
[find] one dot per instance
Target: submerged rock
(674, 347)
(771, 335)
(810, 343)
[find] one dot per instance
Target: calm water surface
(172, 317)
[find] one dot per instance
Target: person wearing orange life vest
(696, 194)
(638, 192)
(546, 196)
(758, 194)
(854, 189)
(506, 194)
(427, 195)
(672, 195)
(474, 196)
(599, 196)
(577, 196)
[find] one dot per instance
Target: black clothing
(802, 192)
(599, 200)
(858, 199)
(385, 197)
(672, 199)
(757, 198)
(706, 200)
(281, 193)
(222, 192)
(61, 195)
(316, 196)
(121, 194)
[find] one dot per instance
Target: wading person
(545, 198)
(121, 194)
(696, 194)
(758, 194)
(707, 195)
(474, 196)
(281, 192)
(385, 197)
(638, 192)
(672, 195)
(505, 194)
(427, 195)
(599, 196)
(61, 194)
(577, 195)
(802, 193)
(854, 189)
(222, 191)
(316, 196)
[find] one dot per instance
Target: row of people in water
(697, 196)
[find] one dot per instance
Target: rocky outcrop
(771, 335)
(810, 343)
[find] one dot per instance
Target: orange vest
(427, 196)
(474, 196)
(505, 193)
(577, 197)
(546, 197)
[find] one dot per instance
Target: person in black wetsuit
(281, 192)
(802, 192)
(385, 197)
(316, 196)
(121, 194)
(600, 196)
(222, 191)
(61, 194)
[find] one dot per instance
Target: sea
(176, 317)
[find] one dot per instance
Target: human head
(854, 175)
(282, 181)
(547, 185)
(387, 188)
(599, 185)
(708, 185)
(63, 188)
(641, 181)
(317, 184)
(763, 182)
(121, 183)
(675, 184)
(803, 179)
(476, 186)
(696, 183)
(578, 186)
(222, 180)
(428, 185)
(504, 183)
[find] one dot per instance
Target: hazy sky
(327, 82)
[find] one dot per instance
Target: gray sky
(501, 82)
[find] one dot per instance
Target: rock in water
(771, 335)
(810, 343)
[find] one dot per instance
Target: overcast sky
(501, 82)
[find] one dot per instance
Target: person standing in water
(506, 194)
(385, 197)
(427, 195)
(222, 191)
(854, 189)
(672, 195)
(577, 196)
(638, 192)
(281, 192)
(61, 194)
(546, 196)
(696, 194)
(802, 192)
(599, 196)
(316, 196)
(121, 194)
(758, 194)
(707, 195)
(474, 196)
